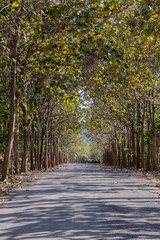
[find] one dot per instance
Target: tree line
(39, 95)
(125, 112)
(51, 53)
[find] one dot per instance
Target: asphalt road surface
(82, 201)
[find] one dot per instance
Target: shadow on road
(82, 203)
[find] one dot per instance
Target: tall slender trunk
(41, 148)
(154, 155)
(142, 147)
(129, 148)
(51, 151)
(16, 143)
(158, 150)
(46, 152)
(149, 136)
(11, 129)
(113, 153)
(38, 144)
(35, 150)
(32, 148)
(60, 156)
(133, 146)
(46, 146)
(138, 133)
(54, 152)
(119, 154)
(26, 142)
(123, 152)
(57, 152)
(142, 139)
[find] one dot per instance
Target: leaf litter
(16, 182)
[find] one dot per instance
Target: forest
(79, 80)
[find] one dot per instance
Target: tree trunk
(142, 139)
(50, 151)
(57, 153)
(38, 145)
(149, 146)
(32, 148)
(129, 148)
(158, 151)
(154, 155)
(138, 133)
(142, 147)
(26, 142)
(119, 155)
(113, 153)
(149, 136)
(133, 146)
(41, 148)
(123, 152)
(54, 152)
(12, 108)
(46, 152)
(16, 146)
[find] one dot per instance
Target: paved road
(82, 202)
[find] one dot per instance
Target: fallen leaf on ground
(74, 220)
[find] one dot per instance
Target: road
(82, 202)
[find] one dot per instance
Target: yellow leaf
(43, 71)
(155, 16)
(147, 178)
(15, 5)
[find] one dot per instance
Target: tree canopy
(69, 67)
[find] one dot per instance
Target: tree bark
(123, 152)
(138, 133)
(26, 142)
(32, 148)
(158, 150)
(16, 146)
(129, 148)
(11, 129)
(57, 152)
(133, 146)
(142, 139)
(149, 137)
(154, 155)
(41, 148)
(119, 154)
(38, 145)
(54, 152)
(46, 152)
(113, 153)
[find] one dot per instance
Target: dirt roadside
(152, 178)
(16, 182)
